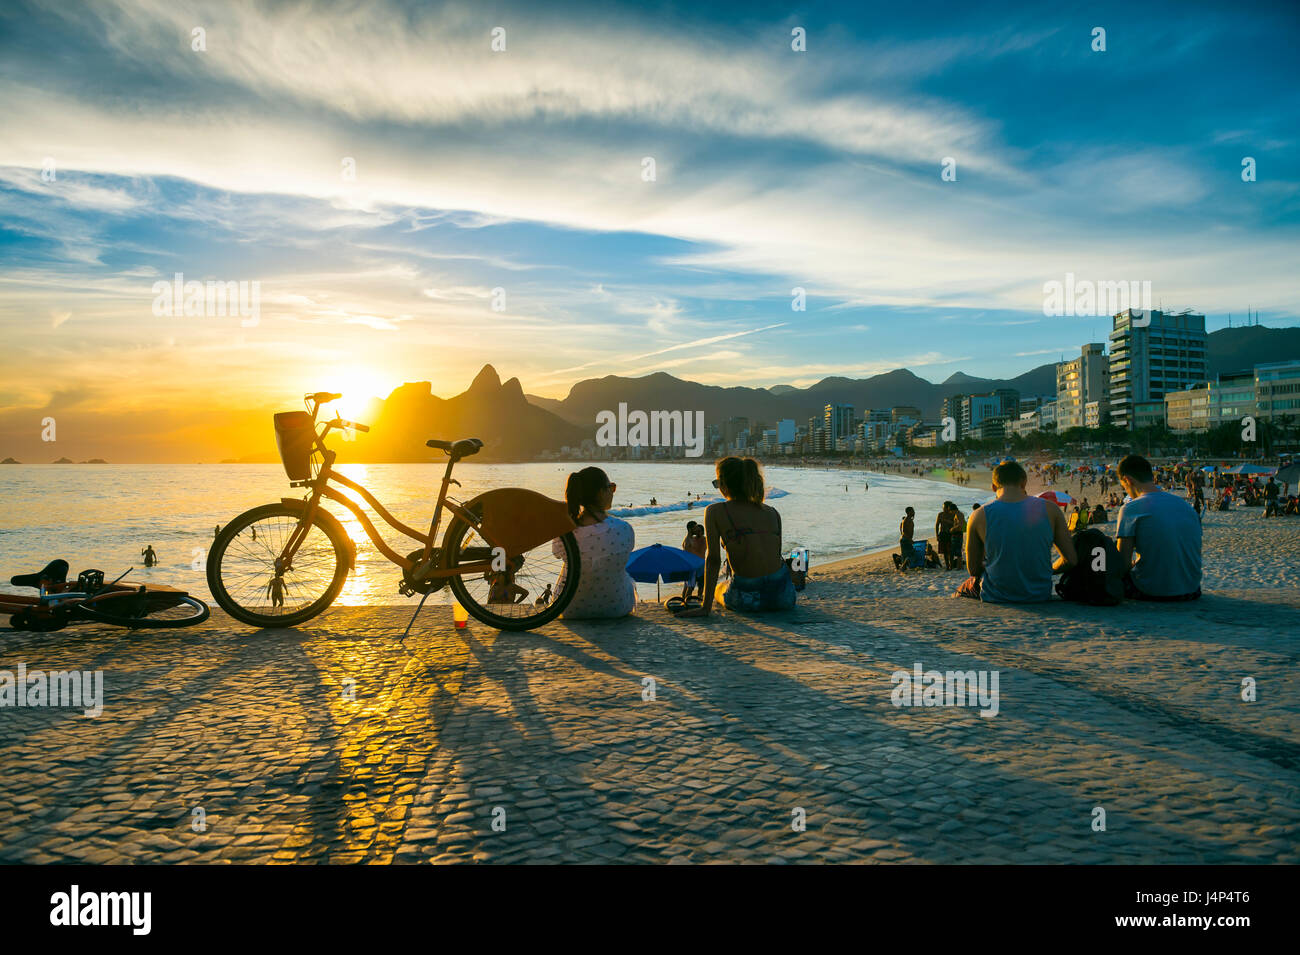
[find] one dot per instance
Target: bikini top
(735, 533)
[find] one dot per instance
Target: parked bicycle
(88, 599)
(508, 555)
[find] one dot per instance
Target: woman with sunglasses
(604, 587)
(750, 531)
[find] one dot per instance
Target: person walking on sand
(943, 532)
(1164, 533)
(1270, 498)
(1009, 543)
(906, 530)
(958, 534)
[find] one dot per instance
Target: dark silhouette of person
(275, 590)
(150, 557)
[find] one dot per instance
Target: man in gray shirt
(1165, 533)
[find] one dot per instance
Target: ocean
(102, 516)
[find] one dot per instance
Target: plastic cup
(459, 614)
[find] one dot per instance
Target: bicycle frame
(519, 519)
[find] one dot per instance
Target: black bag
(1083, 584)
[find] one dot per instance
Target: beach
(733, 739)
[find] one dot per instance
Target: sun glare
(358, 386)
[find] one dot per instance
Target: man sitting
(1009, 543)
(1164, 531)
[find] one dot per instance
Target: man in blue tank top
(1009, 543)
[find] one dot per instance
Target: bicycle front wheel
(242, 573)
(536, 589)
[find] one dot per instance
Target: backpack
(1081, 583)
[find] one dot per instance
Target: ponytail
(583, 489)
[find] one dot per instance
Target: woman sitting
(604, 587)
(751, 533)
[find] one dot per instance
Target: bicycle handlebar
(344, 423)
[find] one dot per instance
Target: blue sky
(522, 170)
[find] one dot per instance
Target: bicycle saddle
(457, 449)
(56, 572)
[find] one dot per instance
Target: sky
(413, 203)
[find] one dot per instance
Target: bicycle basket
(295, 436)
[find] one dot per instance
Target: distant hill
(665, 392)
(1228, 350)
(510, 427)
(1240, 349)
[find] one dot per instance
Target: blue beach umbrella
(657, 562)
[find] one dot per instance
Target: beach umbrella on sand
(657, 562)
(1289, 474)
(1057, 497)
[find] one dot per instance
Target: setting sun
(357, 386)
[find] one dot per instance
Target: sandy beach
(660, 740)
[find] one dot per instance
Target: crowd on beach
(1015, 548)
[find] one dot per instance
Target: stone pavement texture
(550, 735)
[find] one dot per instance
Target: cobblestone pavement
(753, 723)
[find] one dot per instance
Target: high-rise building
(1078, 382)
(1151, 354)
(733, 430)
(951, 408)
(1003, 403)
(838, 422)
(785, 431)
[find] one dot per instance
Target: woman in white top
(605, 589)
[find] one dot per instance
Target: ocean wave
(691, 505)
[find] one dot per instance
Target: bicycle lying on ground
(88, 599)
(509, 555)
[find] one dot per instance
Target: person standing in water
(150, 557)
(275, 590)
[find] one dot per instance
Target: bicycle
(509, 555)
(89, 599)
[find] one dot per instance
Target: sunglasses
(715, 483)
(611, 486)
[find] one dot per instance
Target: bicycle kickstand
(413, 616)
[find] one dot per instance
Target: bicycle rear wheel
(242, 566)
(546, 579)
(147, 611)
